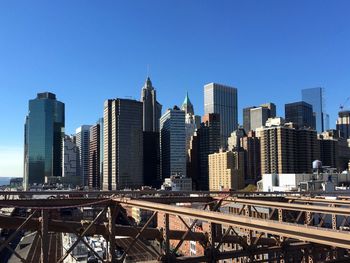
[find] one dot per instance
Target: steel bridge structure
(241, 226)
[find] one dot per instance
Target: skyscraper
(223, 100)
(301, 114)
(192, 122)
(152, 109)
(122, 144)
(173, 143)
(43, 136)
(151, 148)
(82, 141)
(343, 124)
(315, 97)
(94, 157)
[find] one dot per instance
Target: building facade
(122, 144)
(301, 114)
(286, 149)
(43, 136)
(226, 171)
(315, 97)
(256, 117)
(343, 124)
(173, 143)
(83, 140)
(151, 148)
(222, 99)
(94, 180)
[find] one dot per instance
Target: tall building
(94, 180)
(151, 147)
(70, 157)
(301, 114)
(82, 141)
(192, 121)
(152, 109)
(43, 135)
(223, 100)
(256, 117)
(208, 142)
(251, 147)
(315, 97)
(343, 124)
(173, 143)
(226, 171)
(246, 118)
(285, 149)
(122, 144)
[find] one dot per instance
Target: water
(5, 180)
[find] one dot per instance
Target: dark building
(43, 136)
(207, 141)
(94, 181)
(334, 149)
(151, 146)
(251, 147)
(122, 144)
(151, 159)
(301, 114)
(246, 118)
(343, 124)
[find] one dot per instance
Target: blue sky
(89, 51)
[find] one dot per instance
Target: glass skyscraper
(315, 97)
(223, 100)
(43, 139)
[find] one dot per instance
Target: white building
(177, 183)
(82, 141)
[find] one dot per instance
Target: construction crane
(341, 107)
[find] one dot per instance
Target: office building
(82, 140)
(343, 124)
(70, 163)
(94, 180)
(173, 143)
(152, 109)
(122, 144)
(222, 99)
(256, 117)
(151, 148)
(192, 121)
(315, 97)
(301, 114)
(208, 142)
(226, 171)
(43, 135)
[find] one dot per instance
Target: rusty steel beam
(292, 206)
(295, 231)
(54, 203)
(320, 200)
(169, 193)
(64, 226)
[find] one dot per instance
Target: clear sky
(88, 51)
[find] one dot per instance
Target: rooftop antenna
(147, 70)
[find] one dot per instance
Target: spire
(187, 105)
(148, 83)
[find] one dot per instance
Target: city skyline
(66, 59)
